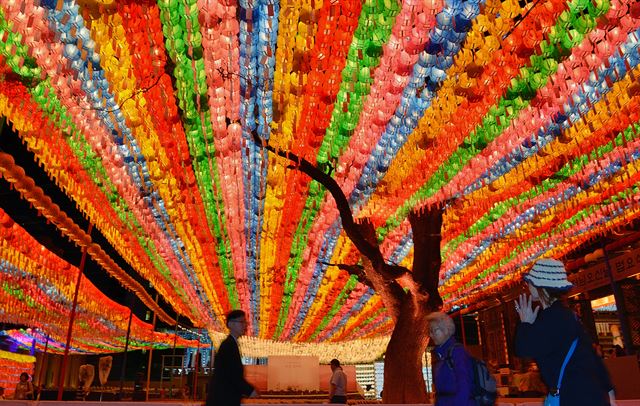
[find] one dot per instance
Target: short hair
(234, 315)
(24, 374)
(443, 321)
(335, 362)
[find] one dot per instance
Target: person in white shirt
(338, 384)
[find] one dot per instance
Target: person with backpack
(454, 372)
(556, 340)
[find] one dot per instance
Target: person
(619, 351)
(81, 391)
(185, 392)
(452, 372)
(597, 348)
(228, 384)
(337, 384)
(1, 393)
(616, 335)
(547, 335)
(24, 388)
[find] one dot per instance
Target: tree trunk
(403, 379)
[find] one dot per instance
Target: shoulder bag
(553, 398)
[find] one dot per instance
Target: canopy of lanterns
(523, 115)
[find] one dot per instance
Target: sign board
(622, 267)
(296, 373)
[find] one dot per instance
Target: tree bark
(403, 378)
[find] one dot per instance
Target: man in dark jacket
(228, 385)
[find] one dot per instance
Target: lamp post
(124, 361)
(42, 366)
(72, 316)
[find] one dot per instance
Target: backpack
(484, 388)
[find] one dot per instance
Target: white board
(293, 373)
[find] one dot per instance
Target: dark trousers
(338, 399)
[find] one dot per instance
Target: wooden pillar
(150, 355)
(620, 307)
(508, 326)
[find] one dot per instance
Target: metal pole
(195, 368)
(124, 361)
(212, 356)
(44, 355)
(72, 316)
(620, 307)
(150, 355)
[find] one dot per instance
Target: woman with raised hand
(553, 336)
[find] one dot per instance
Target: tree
(409, 296)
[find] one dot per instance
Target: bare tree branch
(355, 270)
(131, 96)
(367, 249)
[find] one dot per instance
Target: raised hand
(525, 310)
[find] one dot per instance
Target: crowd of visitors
(549, 333)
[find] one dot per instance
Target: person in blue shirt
(452, 372)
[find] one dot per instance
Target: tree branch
(350, 227)
(355, 270)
